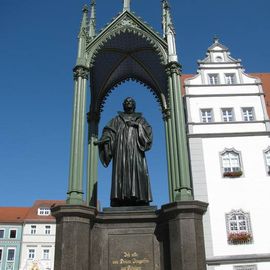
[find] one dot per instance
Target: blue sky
(38, 46)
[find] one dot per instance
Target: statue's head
(129, 105)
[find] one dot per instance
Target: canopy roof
(127, 49)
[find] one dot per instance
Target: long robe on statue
(126, 146)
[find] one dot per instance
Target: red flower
(232, 174)
(239, 237)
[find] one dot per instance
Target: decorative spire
(84, 19)
(166, 17)
(83, 36)
(168, 31)
(126, 5)
(92, 23)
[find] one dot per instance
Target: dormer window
(213, 78)
(230, 78)
(44, 211)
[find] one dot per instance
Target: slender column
(185, 177)
(183, 180)
(92, 162)
(173, 140)
(167, 124)
(75, 190)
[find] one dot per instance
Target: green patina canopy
(127, 48)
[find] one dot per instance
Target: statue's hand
(132, 124)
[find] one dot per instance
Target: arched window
(238, 227)
(231, 165)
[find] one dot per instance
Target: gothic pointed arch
(127, 49)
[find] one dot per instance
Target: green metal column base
(75, 198)
(183, 194)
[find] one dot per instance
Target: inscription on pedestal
(131, 252)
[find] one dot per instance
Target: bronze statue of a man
(124, 140)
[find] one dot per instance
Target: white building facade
(228, 131)
(38, 238)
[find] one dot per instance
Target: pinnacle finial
(216, 39)
(126, 5)
(85, 9)
(84, 18)
(92, 23)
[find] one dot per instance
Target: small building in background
(11, 226)
(38, 240)
(27, 236)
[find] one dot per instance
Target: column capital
(166, 114)
(80, 71)
(173, 67)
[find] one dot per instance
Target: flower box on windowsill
(239, 238)
(232, 174)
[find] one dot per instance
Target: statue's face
(129, 105)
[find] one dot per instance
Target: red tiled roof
(23, 214)
(13, 214)
(32, 214)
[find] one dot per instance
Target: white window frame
(33, 229)
(46, 254)
(31, 253)
(230, 78)
(9, 233)
(2, 229)
(207, 118)
(238, 226)
(48, 229)
(213, 78)
(227, 117)
(266, 154)
(232, 170)
(14, 256)
(245, 267)
(44, 211)
(247, 116)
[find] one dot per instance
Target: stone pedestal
(73, 237)
(182, 231)
(130, 238)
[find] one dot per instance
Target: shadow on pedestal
(130, 238)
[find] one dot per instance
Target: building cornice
(228, 123)
(224, 95)
(232, 259)
(226, 85)
(229, 134)
(228, 67)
